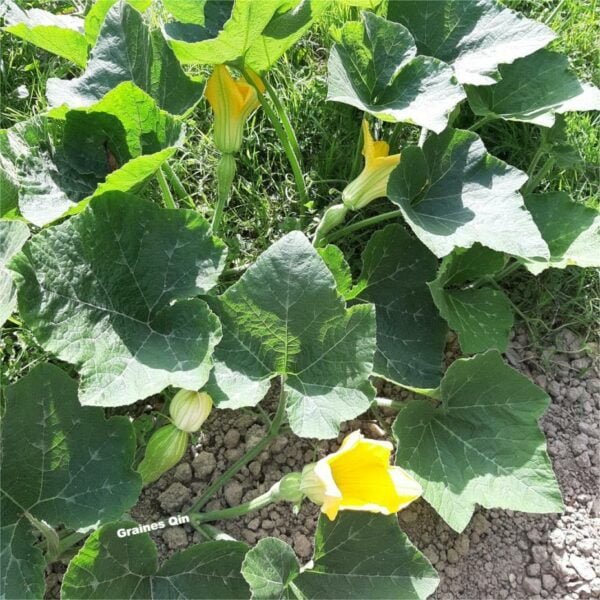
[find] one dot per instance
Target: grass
(263, 205)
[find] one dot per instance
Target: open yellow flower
(359, 477)
(232, 101)
(372, 181)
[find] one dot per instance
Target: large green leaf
(126, 50)
(373, 66)
(474, 37)
(187, 11)
(572, 231)
(482, 316)
(98, 11)
(60, 34)
(410, 332)
(56, 161)
(229, 30)
(285, 317)
(62, 464)
(270, 568)
(113, 290)
(453, 193)
(110, 566)
(533, 90)
(483, 445)
(253, 33)
(359, 555)
(13, 234)
(365, 555)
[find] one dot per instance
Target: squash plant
(128, 293)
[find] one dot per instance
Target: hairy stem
(165, 190)
(235, 511)
(177, 185)
(246, 458)
(344, 231)
(286, 141)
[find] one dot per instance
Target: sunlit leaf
(373, 66)
(284, 317)
(63, 464)
(453, 194)
(474, 37)
(482, 445)
(56, 161)
(113, 291)
(534, 89)
(59, 34)
(126, 50)
(13, 234)
(572, 231)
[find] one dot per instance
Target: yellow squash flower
(232, 101)
(372, 181)
(359, 477)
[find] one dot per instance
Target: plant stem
(423, 136)
(164, 188)
(535, 181)
(479, 124)
(235, 511)
(288, 144)
(225, 175)
(177, 185)
(340, 233)
(285, 120)
(246, 458)
(68, 541)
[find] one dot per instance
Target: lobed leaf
(112, 291)
(483, 445)
(373, 66)
(109, 566)
(453, 193)
(56, 161)
(62, 465)
(284, 317)
(474, 37)
(572, 231)
(410, 332)
(270, 568)
(481, 316)
(365, 555)
(98, 11)
(59, 34)
(254, 34)
(127, 50)
(13, 234)
(533, 90)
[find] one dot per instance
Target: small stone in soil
(175, 538)
(233, 493)
(183, 473)
(174, 497)
(204, 464)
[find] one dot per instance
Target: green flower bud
(189, 410)
(288, 488)
(335, 215)
(164, 450)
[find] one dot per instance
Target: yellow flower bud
(164, 450)
(359, 477)
(189, 410)
(372, 181)
(232, 101)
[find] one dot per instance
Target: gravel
(501, 554)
